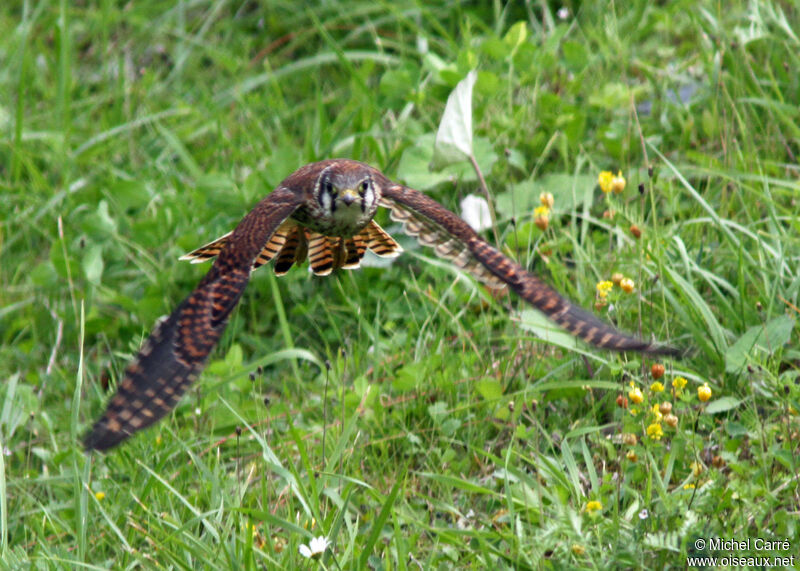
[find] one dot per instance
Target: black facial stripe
(324, 185)
(365, 185)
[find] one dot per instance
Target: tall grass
(401, 410)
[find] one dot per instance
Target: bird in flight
(324, 212)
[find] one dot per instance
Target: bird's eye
(329, 188)
(365, 186)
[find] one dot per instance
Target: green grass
(411, 418)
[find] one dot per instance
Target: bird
(324, 212)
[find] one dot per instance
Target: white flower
(563, 13)
(315, 548)
(475, 212)
(644, 514)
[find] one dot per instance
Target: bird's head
(347, 196)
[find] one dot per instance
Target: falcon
(322, 212)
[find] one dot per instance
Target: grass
(402, 411)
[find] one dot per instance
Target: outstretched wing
(176, 351)
(453, 239)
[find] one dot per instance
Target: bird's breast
(343, 221)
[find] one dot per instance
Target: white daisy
(315, 547)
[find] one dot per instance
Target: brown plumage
(322, 212)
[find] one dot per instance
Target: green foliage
(401, 410)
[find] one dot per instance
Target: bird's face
(347, 199)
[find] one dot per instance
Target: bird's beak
(349, 196)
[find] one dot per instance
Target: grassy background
(401, 411)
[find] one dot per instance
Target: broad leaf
(454, 138)
(759, 339)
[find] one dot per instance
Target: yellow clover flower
(655, 431)
(629, 438)
(635, 395)
(603, 288)
(704, 392)
(605, 180)
(657, 387)
(678, 383)
(656, 412)
(593, 506)
(627, 285)
(541, 217)
(618, 183)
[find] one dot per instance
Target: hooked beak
(349, 196)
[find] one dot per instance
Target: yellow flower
(635, 395)
(678, 383)
(627, 285)
(688, 487)
(704, 392)
(631, 455)
(541, 217)
(546, 199)
(697, 468)
(605, 180)
(657, 387)
(618, 183)
(603, 288)
(100, 495)
(578, 549)
(655, 431)
(593, 506)
(656, 413)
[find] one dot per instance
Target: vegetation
(402, 411)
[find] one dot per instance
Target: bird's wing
(453, 239)
(177, 349)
